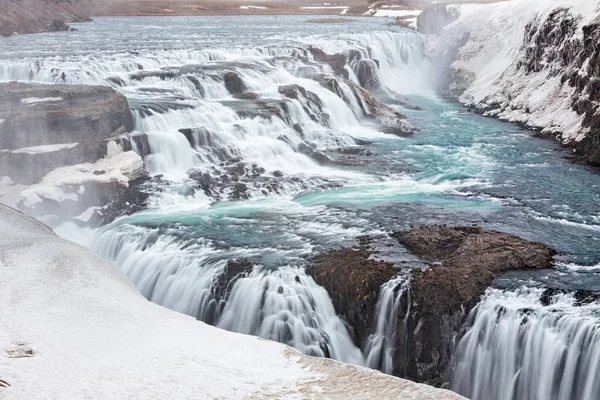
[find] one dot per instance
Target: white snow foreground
(72, 326)
(487, 68)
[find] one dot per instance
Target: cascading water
(289, 307)
(518, 348)
(393, 311)
(266, 149)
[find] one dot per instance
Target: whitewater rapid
(241, 194)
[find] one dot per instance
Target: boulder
(234, 84)
(392, 121)
(337, 62)
(367, 72)
(35, 114)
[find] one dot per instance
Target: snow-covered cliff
(532, 62)
(72, 326)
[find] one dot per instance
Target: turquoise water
(459, 168)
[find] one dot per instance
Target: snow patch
(33, 100)
(45, 148)
(120, 169)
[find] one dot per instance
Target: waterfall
(520, 348)
(393, 311)
(211, 142)
(174, 267)
(288, 306)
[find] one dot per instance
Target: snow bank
(120, 168)
(253, 8)
(487, 69)
(45, 148)
(72, 326)
(33, 100)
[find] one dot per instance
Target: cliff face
(534, 64)
(559, 48)
(31, 16)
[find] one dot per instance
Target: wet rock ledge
(65, 148)
(462, 263)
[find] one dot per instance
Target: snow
(84, 331)
(324, 8)
(32, 100)
(45, 148)
(496, 33)
(253, 7)
(397, 13)
(120, 168)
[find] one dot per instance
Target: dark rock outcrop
(464, 262)
(466, 259)
(353, 280)
(34, 114)
(32, 16)
(311, 103)
(367, 72)
(392, 121)
(234, 83)
(337, 62)
(581, 296)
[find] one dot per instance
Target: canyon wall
(533, 64)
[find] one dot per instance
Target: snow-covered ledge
(72, 326)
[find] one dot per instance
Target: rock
(125, 201)
(310, 101)
(464, 262)
(58, 26)
(240, 191)
(353, 280)
(582, 297)
(204, 181)
(35, 114)
(337, 62)
(234, 84)
(312, 153)
(69, 191)
(246, 96)
(367, 72)
(222, 285)
(199, 137)
(391, 120)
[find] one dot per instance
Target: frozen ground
(72, 326)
